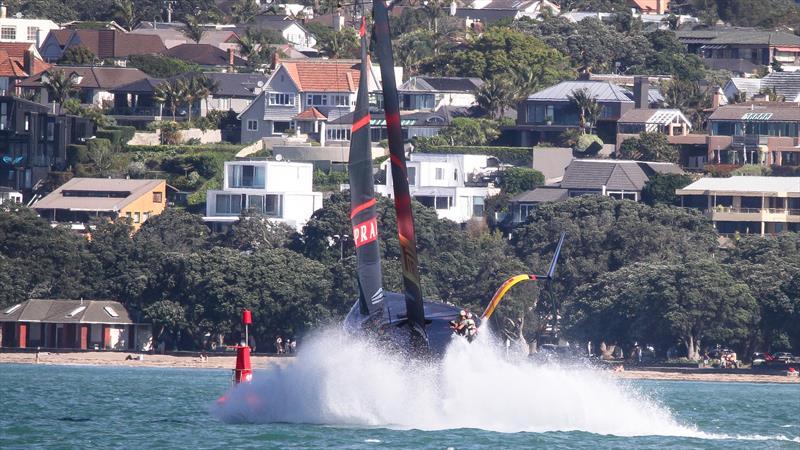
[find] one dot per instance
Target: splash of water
(337, 380)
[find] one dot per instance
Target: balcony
(731, 214)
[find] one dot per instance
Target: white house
(8, 195)
(528, 8)
(280, 190)
(432, 93)
(452, 184)
(18, 29)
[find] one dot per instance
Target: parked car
(761, 358)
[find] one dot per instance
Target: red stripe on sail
(396, 161)
(363, 31)
(360, 123)
(362, 207)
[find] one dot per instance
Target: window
(137, 217)
(444, 202)
(240, 176)
(477, 206)
(338, 134)
(440, 173)
(526, 210)
(340, 100)
(3, 116)
(129, 216)
(229, 204)
(412, 175)
(158, 197)
(317, 100)
(281, 99)
(76, 311)
(27, 121)
(256, 202)
(33, 34)
(13, 308)
(252, 125)
(281, 127)
(110, 311)
(272, 205)
(455, 174)
(145, 216)
(51, 131)
(8, 33)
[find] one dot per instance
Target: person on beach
(294, 345)
(289, 346)
(279, 345)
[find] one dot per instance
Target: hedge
(127, 132)
(517, 156)
(181, 149)
(113, 136)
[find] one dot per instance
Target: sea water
(340, 393)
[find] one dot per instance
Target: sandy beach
(227, 362)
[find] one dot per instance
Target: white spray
(337, 380)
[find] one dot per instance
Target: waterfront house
(18, 61)
(172, 35)
(295, 87)
(423, 93)
(544, 115)
(455, 185)
(107, 44)
(282, 191)
(10, 196)
(525, 8)
(235, 91)
(95, 84)
(743, 51)
(747, 204)
(784, 86)
(620, 179)
(291, 30)
(33, 141)
(79, 200)
(72, 324)
(19, 29)
(206, 56)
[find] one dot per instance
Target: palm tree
(494, 95)
(192, 29)
(203, 87)
(169, 94)
(127, 14)
(244, 11)
(60, 86)
(587, 106)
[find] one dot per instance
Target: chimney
(661, 6)
(27, 62)
(641, 92)
(231, 58)
(716, 99)
(276, 61)
(3, 10)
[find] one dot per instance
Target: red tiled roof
(14, 66)
(311, 114)
(16, 49)
(325, 75)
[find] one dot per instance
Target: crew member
(470, 327)
(459, 326)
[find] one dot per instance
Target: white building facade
(13, 29)
(282, 191)
(451, 184)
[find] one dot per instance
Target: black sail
(402, 199)
(363, 213)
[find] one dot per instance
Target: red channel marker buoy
(244, 371)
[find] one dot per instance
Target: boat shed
(72, 324)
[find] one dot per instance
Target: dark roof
(785, 84)
(441, 84)
(203, 54)
(144, 85)
(733, 36)
(99, 77)
(487, 15)
(775, 112)
(593, 174)
(67, 311)
(236, 84)
(541, 194)
(116, 44)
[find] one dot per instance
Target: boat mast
(363, 212)
(402, 198)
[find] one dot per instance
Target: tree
(59, 85)
(649, 146)
(587, 106)
(77, 55)
(193, 29)
(170, 94)
(466, 131)
(244, 11)
(660, 188)
(495, 95)
(498, 51)
(254, 231)
(127, 14)
(159, 66)
(340, 44)
(258, 46)
(519, 179)
(655, 302)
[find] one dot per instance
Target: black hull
(389, 327)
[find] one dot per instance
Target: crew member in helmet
(470, 327)
(459, 325)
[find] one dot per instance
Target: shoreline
(228, 362)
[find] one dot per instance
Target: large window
(229, 204)
(158, 197)
(412, 175)
(8, 33)
(241, 176)
(252, 125)
(33, 34)
(281, 99)
(418, 101)
(444, 202)
(337, 134)
(317, 100)
(440, 173)
(526, 210)
(3, 116)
